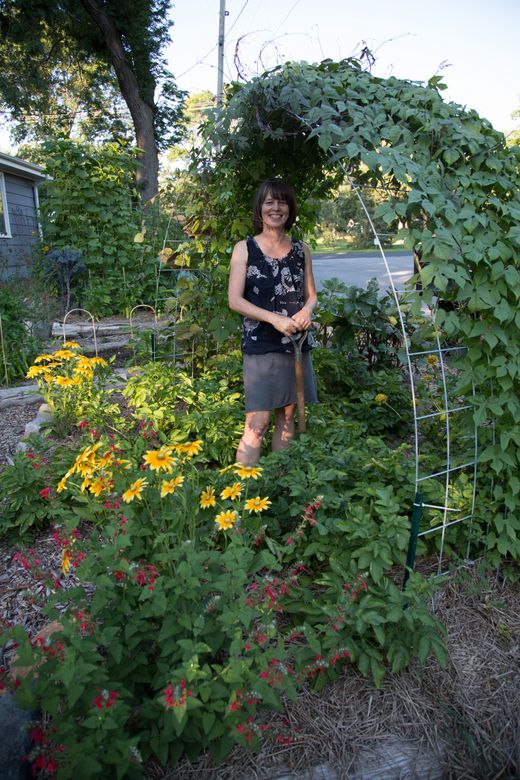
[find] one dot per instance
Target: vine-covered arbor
(451, 183)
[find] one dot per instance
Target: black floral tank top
(277, 285)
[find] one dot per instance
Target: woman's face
(274, 212)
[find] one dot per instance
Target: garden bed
(194, 596)
(458, 723)
(461, 723)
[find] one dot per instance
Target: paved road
(358, 268)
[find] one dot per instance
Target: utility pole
(220, 64)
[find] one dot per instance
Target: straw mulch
(460, 723)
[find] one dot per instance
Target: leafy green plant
(450, 180)
(74, 386)
(208, 406)
(18, 346)
(90, 203)
(360, 321)
(201, 611)
(28, 497)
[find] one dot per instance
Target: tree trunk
(142, 112)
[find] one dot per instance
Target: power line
(286, 17)
(239, 15)
(201, 60)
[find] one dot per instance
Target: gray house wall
(16, 257)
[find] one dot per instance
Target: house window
(5, 230)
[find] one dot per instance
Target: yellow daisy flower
(85, 484)
(380, 398)
(84, 371)
(247, 472)
(232, 491)
(227, 468)
(427, 377)
(65, 381)
(135, 490)
(226, 520)
(71, 345)
(258, 504)
(85, 463)
(98, 361)
(98, 486)
(65, 561)
(85, 469)
(432, 360)
(63, 354)
(207, 498)
(169, 485)
(105, 460)
(159, 460)
(189, 449)
(36, 371)
(62, 485)
(42, 358)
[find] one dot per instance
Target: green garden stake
(153, 344)
(414, 533)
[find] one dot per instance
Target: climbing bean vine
(452, 184)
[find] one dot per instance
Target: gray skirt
(270, 382)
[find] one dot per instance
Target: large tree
(64, 65)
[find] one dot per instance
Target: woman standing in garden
(271, 285)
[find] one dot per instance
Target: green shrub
(90, 205)
(28, 498)
(209, 406)
(17, 346)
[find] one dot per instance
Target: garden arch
(453, 185)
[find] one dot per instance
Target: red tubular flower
(105, 699)
(45, 493)
(176, 695)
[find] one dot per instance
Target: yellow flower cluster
(227, 518)
(65, 367)
(95, 469)
(380, 398)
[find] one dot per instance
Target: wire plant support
(450, 516)
(92, 319)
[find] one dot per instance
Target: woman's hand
(303, 318)
(286, 325)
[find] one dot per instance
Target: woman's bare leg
(248, 452)
(283, 432)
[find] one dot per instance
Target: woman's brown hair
(279, 190)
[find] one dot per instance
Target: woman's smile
(274, 212)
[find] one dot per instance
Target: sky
(473, 44)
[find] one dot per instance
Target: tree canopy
(69, 63)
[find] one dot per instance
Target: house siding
(16, 253)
